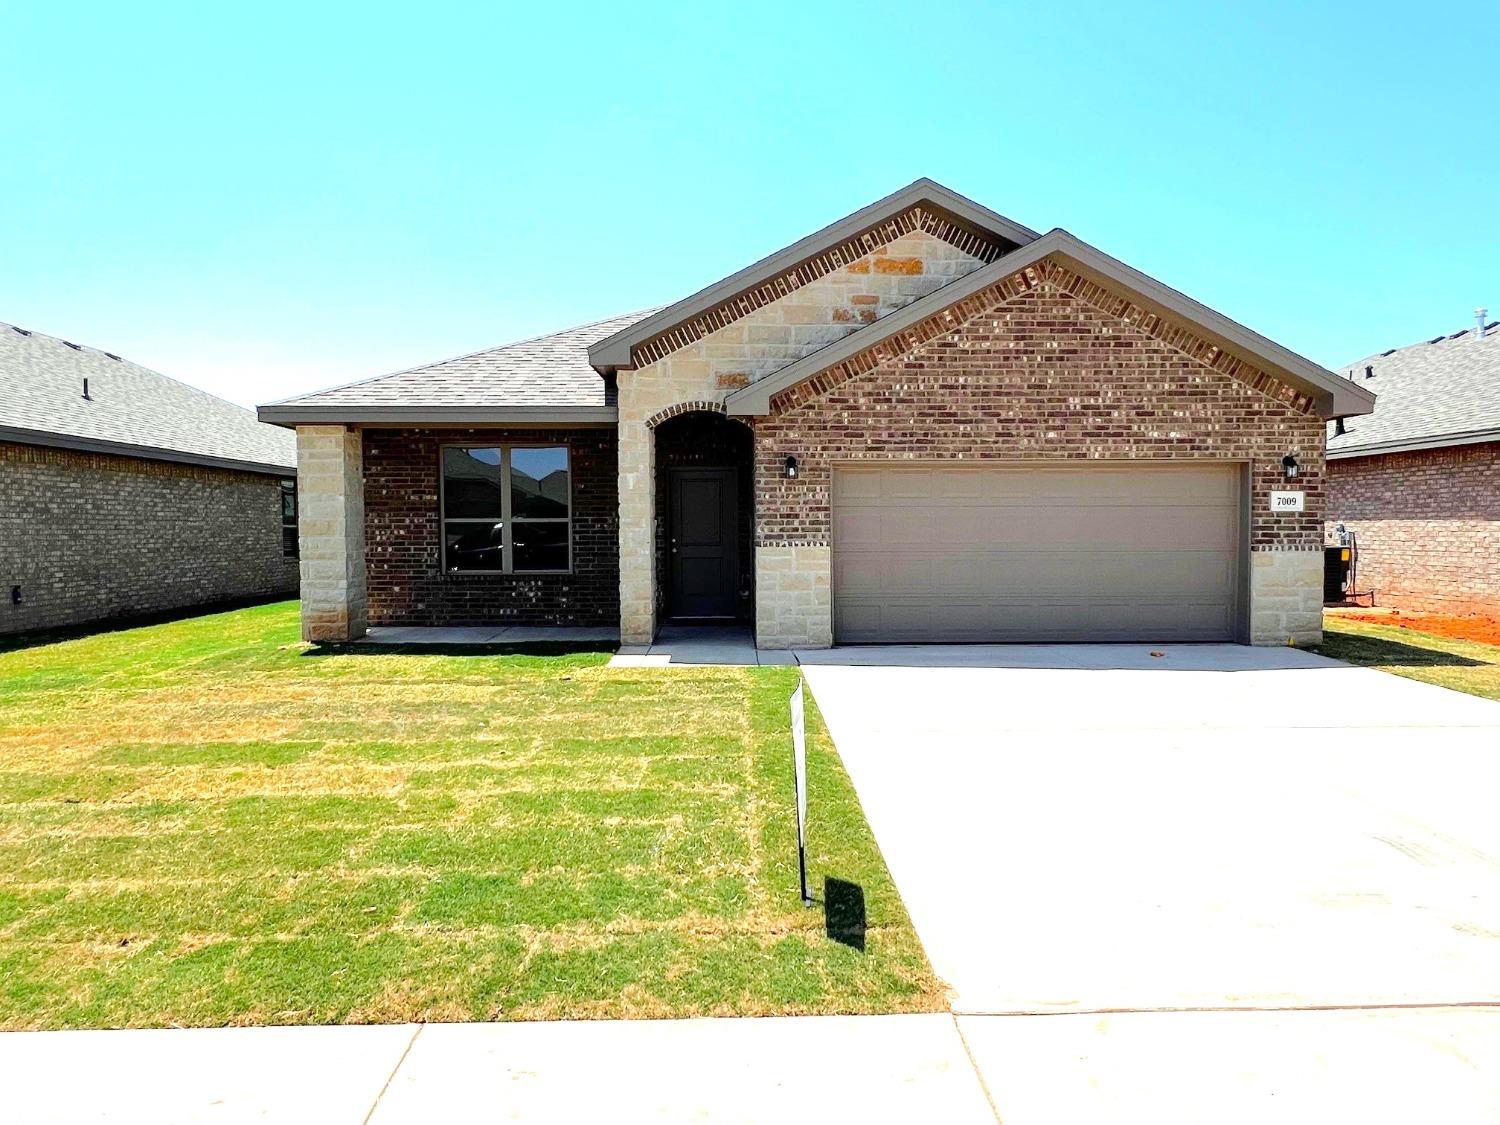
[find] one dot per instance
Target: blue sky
(273, 198)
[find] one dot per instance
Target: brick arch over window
(710, 406)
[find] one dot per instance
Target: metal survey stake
(799, 775)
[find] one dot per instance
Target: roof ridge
(1492, 331)
(463, 355)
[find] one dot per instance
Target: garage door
(1098, 552)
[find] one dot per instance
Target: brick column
(637, 523)
(331, 526)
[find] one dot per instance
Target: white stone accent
(331, 531)
(1286, 596)
(756, 346)
(793, 597)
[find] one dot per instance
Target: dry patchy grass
(206, 823)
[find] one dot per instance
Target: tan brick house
(924, 422)
(1418, 481)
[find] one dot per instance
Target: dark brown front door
(705, 563)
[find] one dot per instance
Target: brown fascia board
(292, 415)
(50, 440)
(1335, 396)
(613, 353)
(1414, 445)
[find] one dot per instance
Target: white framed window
(506, 509)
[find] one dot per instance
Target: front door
(705, 564)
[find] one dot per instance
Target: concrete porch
(488, 635)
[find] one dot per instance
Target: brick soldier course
(923, 328)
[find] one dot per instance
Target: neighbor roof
(922, 204)
(130, 409)
(545, 378)
(1443, 391)
(1334, 396)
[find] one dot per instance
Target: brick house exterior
(1428, 526)
(406, 584)
(1418, 481)
(146, 497)
(924, 330)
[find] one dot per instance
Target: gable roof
(131, 410)
(1444, 391)
(921, 205)
(544, 378)
(1334, 396)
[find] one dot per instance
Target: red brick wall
(403, 544)
(1042, 375)
(1428, 524)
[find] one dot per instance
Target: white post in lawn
(799, 776)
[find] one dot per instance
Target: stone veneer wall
(93, 536)
(1428, 524)
(331, 506)
(766, 340)
(403, 536)
(1042, 375)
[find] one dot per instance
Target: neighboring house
(922, 423)
(124, 492)
(1418, 481)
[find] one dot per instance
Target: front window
(506, 509)
(289, 519)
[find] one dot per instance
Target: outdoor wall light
(1289, 464)
(791, 468)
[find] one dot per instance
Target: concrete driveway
(1104, 831)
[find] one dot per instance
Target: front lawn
(1468, 666)
(205, 823)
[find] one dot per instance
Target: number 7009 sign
(1288, 501)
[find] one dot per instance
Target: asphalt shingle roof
(41, 395)
(1437, 389)
(551, 370)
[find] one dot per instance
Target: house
(1418, 481)
(924, 422)
(124, 492)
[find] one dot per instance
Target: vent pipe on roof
(86, 390)
(1479, 315)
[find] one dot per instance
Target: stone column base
(793, 597)
(1286, 596)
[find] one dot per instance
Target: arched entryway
(705, 565)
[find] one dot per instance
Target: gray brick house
(124, 492)
(924, 422)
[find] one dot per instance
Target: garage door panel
(1050, 573)
(886, 621)
(1100, 552)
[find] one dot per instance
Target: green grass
(206, 822)
(1467, 666)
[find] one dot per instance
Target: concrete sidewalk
(855, 1068)
(1372, 1066)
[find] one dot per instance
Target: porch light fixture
(791, 468)
(1289, 464)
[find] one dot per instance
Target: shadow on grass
(844, 917)
(14, 642)
(1359, 648)
(529, 648)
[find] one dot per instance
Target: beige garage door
(1098, 552)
